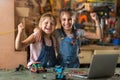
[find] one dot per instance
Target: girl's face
(66, 21)
(48, 25)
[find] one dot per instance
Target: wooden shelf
(102, 1)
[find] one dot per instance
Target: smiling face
(66, 21)
(47, 24)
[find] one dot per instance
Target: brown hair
(66, 10)
(71, 13)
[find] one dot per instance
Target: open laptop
(102, 66)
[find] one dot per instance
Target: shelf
(102, 1)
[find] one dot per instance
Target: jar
(116, 41)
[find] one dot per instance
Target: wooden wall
(9, 58)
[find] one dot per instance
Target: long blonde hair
(43, 17)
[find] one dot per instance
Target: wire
(7, 32)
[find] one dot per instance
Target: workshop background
(12, 12)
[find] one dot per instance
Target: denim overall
(68, 52)
(47, 56)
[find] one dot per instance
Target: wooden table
(87, 51)
(50, 75)
(99, 47)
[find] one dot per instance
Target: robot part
(59, 73)
(37, 67)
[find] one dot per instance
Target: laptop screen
(103, 65)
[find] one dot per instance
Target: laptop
(102, 66)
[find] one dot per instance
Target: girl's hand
(94, 16)
(38, 34)
(21, 27)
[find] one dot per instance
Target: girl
(69, 38)
(42, 51)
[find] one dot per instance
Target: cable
(7, 32)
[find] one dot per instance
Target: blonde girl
(44, 50)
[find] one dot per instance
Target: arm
(38, 32)
(19, 43)
(97, 34)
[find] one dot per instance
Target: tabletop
(49, 75)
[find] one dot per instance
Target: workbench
(50, 75)
(87, 51)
